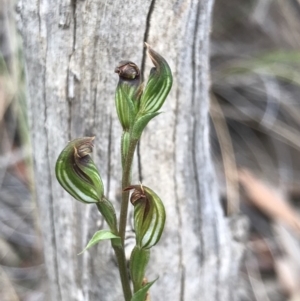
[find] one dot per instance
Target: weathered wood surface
(71, 50)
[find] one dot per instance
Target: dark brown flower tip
(84, 147)
(137, 194)
(127, 70)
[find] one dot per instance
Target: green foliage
(99, 236)
(141, 294)
(138, 263)
(141, 123)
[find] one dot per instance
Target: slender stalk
(125, 183)
(121, 259)
(119, 249)
(120, 255)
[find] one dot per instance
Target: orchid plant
(78, 175)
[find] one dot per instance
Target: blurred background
(255, 139)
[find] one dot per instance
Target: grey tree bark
(71, 50)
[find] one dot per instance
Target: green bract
(149, 216)
(138, 263)
(141, 294)
(77, 173)
(141, 123)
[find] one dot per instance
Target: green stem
(120, 255)
(125, 183)
(119, 250)
(106, 211)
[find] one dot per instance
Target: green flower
(159, 84)
(149, 216)
(156, 91)
(77, 173)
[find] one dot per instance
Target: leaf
(141, 123)
(138, 262)
(98, 236)
(140, 295)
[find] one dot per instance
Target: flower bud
(77, 173)
(158, 85)
(128, 93)
(149, 216)
(128, 71)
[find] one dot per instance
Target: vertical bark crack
(201, 32)
(69, 100)
(39, 14)
(51, 201)
(70, 86)
(74, 6)
(177, 204)
(194, 132)
(146, 34)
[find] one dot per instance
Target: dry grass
(256, 128)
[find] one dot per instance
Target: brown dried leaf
(287, 275)
(268, 200)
